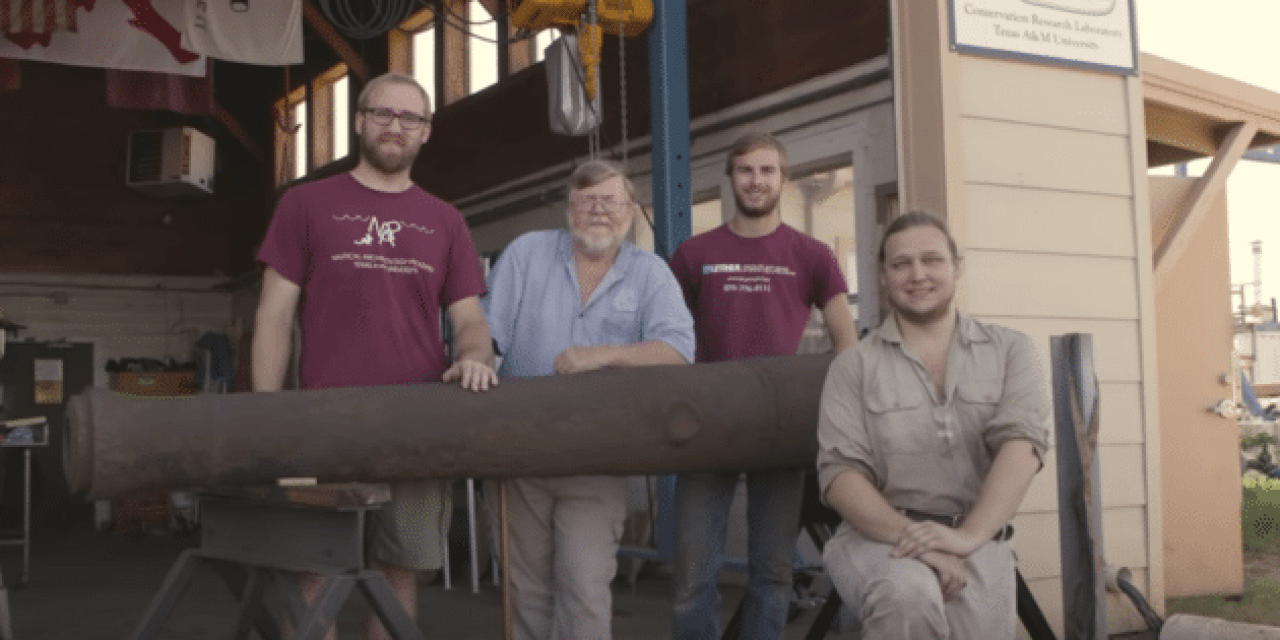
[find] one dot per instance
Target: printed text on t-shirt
(394, 265)
(770, 269)
(748, 278)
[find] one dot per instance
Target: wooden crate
(137, 512)
(161, 383)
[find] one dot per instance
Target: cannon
(732, 416)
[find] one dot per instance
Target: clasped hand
(951, 572)
(941, 547)
(919, 538)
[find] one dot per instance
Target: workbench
(259, 538)
(25, 434)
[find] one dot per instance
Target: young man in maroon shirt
(750, 284)
(367, 261)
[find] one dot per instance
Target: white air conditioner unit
(177, 161)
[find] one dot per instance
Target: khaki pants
(564, 542)
(899, 598)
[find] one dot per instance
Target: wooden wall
(64, 207)
(1053, 228)
(737, 51)
(1202, 537)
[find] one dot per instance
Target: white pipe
(1114, 575)
(471, 534)
(1185, 627)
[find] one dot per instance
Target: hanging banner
(263, 33)
(135, 35)
(1097, 34)
(29, 21)
(146, 90)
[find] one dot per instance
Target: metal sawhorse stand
(34, 433)
(255, 538)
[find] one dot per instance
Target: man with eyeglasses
(367, 261)
(560, 303)
(751, 284)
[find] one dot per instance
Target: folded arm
(649, 352)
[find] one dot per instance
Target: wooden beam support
(237, 131)
(453, 53)
(1173, 238)
(339, 44)
(400, 43)
(503, 18)
(320, 122)
(492, 6)
(520, 55)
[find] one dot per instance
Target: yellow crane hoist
(632, 16)
(629, 17)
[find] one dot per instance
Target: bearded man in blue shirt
(563, 302)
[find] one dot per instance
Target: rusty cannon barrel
(732, 416)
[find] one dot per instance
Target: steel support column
(672, 205)
(669, 123)
(1075, 400)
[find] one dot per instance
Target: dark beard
(760, 212)
(385, 163)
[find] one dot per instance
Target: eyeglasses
(409, 121)
(587, 203)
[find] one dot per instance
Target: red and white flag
(30, 22)
(137, 35)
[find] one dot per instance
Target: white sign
(1092, 33)
(1266, 357)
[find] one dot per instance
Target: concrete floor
(88, 585)
(91, 585)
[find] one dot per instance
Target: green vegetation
(1260, 514)
(1259, 604)
(1260, 529)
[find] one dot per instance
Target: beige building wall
(1043, 179)
(1201, 453)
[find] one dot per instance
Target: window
(821, 204)
(290, 116)
(299, 112)
(482, 41)
(341, 117)
(706, 216)
(541, 41)
(424, 60)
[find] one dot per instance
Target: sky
(1236, 39)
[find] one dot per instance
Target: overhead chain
(588, 28)
(622, 86)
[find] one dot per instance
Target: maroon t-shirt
(375, 269)
(752, 296)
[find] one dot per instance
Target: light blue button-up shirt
(534, 311)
